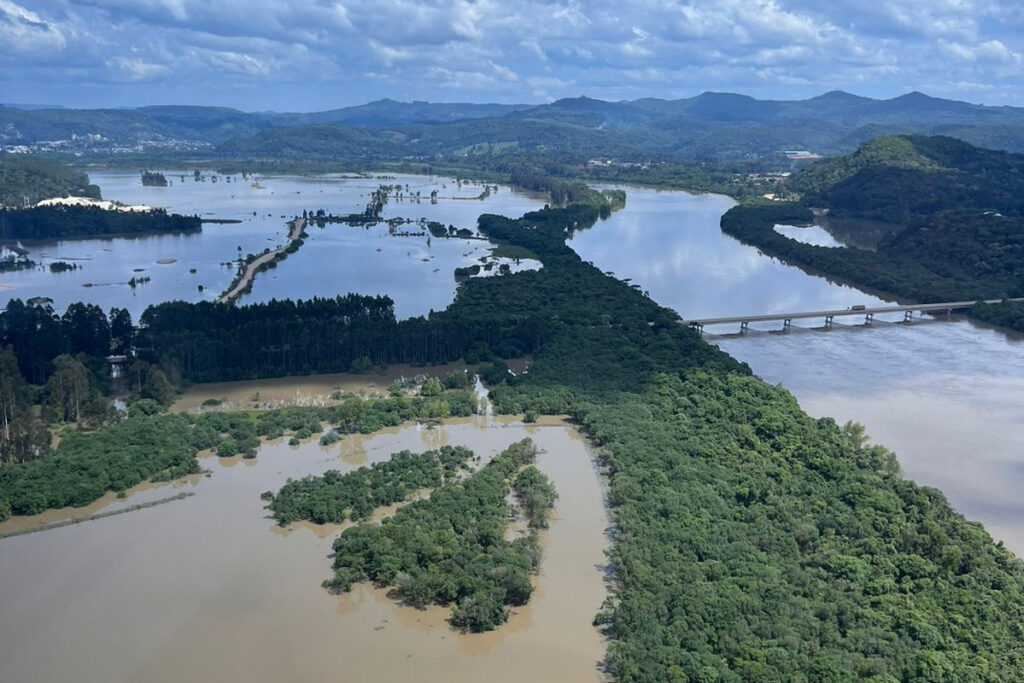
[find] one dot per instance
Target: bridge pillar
(908, 317)
(743, 327)
(786, 324)
(828, 322)
(869, 318)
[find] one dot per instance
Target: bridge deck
(943, 306)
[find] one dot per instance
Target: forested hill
(897, 179)
(26, 179)
(956, 213)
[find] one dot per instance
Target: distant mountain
(17, 105)
(217, 124)
(391, 113)
(712, 126)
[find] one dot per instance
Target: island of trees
(44, 222)
(154, 179)
(451, 547)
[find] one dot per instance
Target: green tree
(68, 388)
(122, 333)
(156, 387)
(432, 387)
(23, 436)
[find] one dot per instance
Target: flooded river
(208, 588)
(946, 396)
(416, 272)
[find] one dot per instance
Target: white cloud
(136, 69)
(510, 49)
(25, 32)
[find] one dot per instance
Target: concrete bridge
(787, 319)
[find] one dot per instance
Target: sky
(311, 55)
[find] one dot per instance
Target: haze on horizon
(308, 55)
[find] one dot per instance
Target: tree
(68, 388)
(122, 333)
(23, 436)
(432, 387)
(155, 386)
(12, 392)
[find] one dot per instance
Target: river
(944, 395)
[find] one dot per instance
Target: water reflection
(811, 234)
(669, 244)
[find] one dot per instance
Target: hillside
(897, 179)
(27, 179)
(957, 210)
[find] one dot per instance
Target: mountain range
(711, 127)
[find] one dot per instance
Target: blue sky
(306, 55)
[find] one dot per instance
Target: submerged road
(297, 226)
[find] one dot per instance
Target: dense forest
(898, 179)
(209, 342)
(26, 179)
(335, 497)
(451, 547)
(43, 222)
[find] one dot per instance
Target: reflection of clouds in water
(342, 260)
(953, 359)
(670, 244)
(814, 235)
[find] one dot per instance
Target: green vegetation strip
(451, 548)
(335, 497)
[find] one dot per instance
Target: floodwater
(946, 396)
(337, 259)
(314, 390)
(209, 588)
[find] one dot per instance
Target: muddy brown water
(313, 390)
(209, 588)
